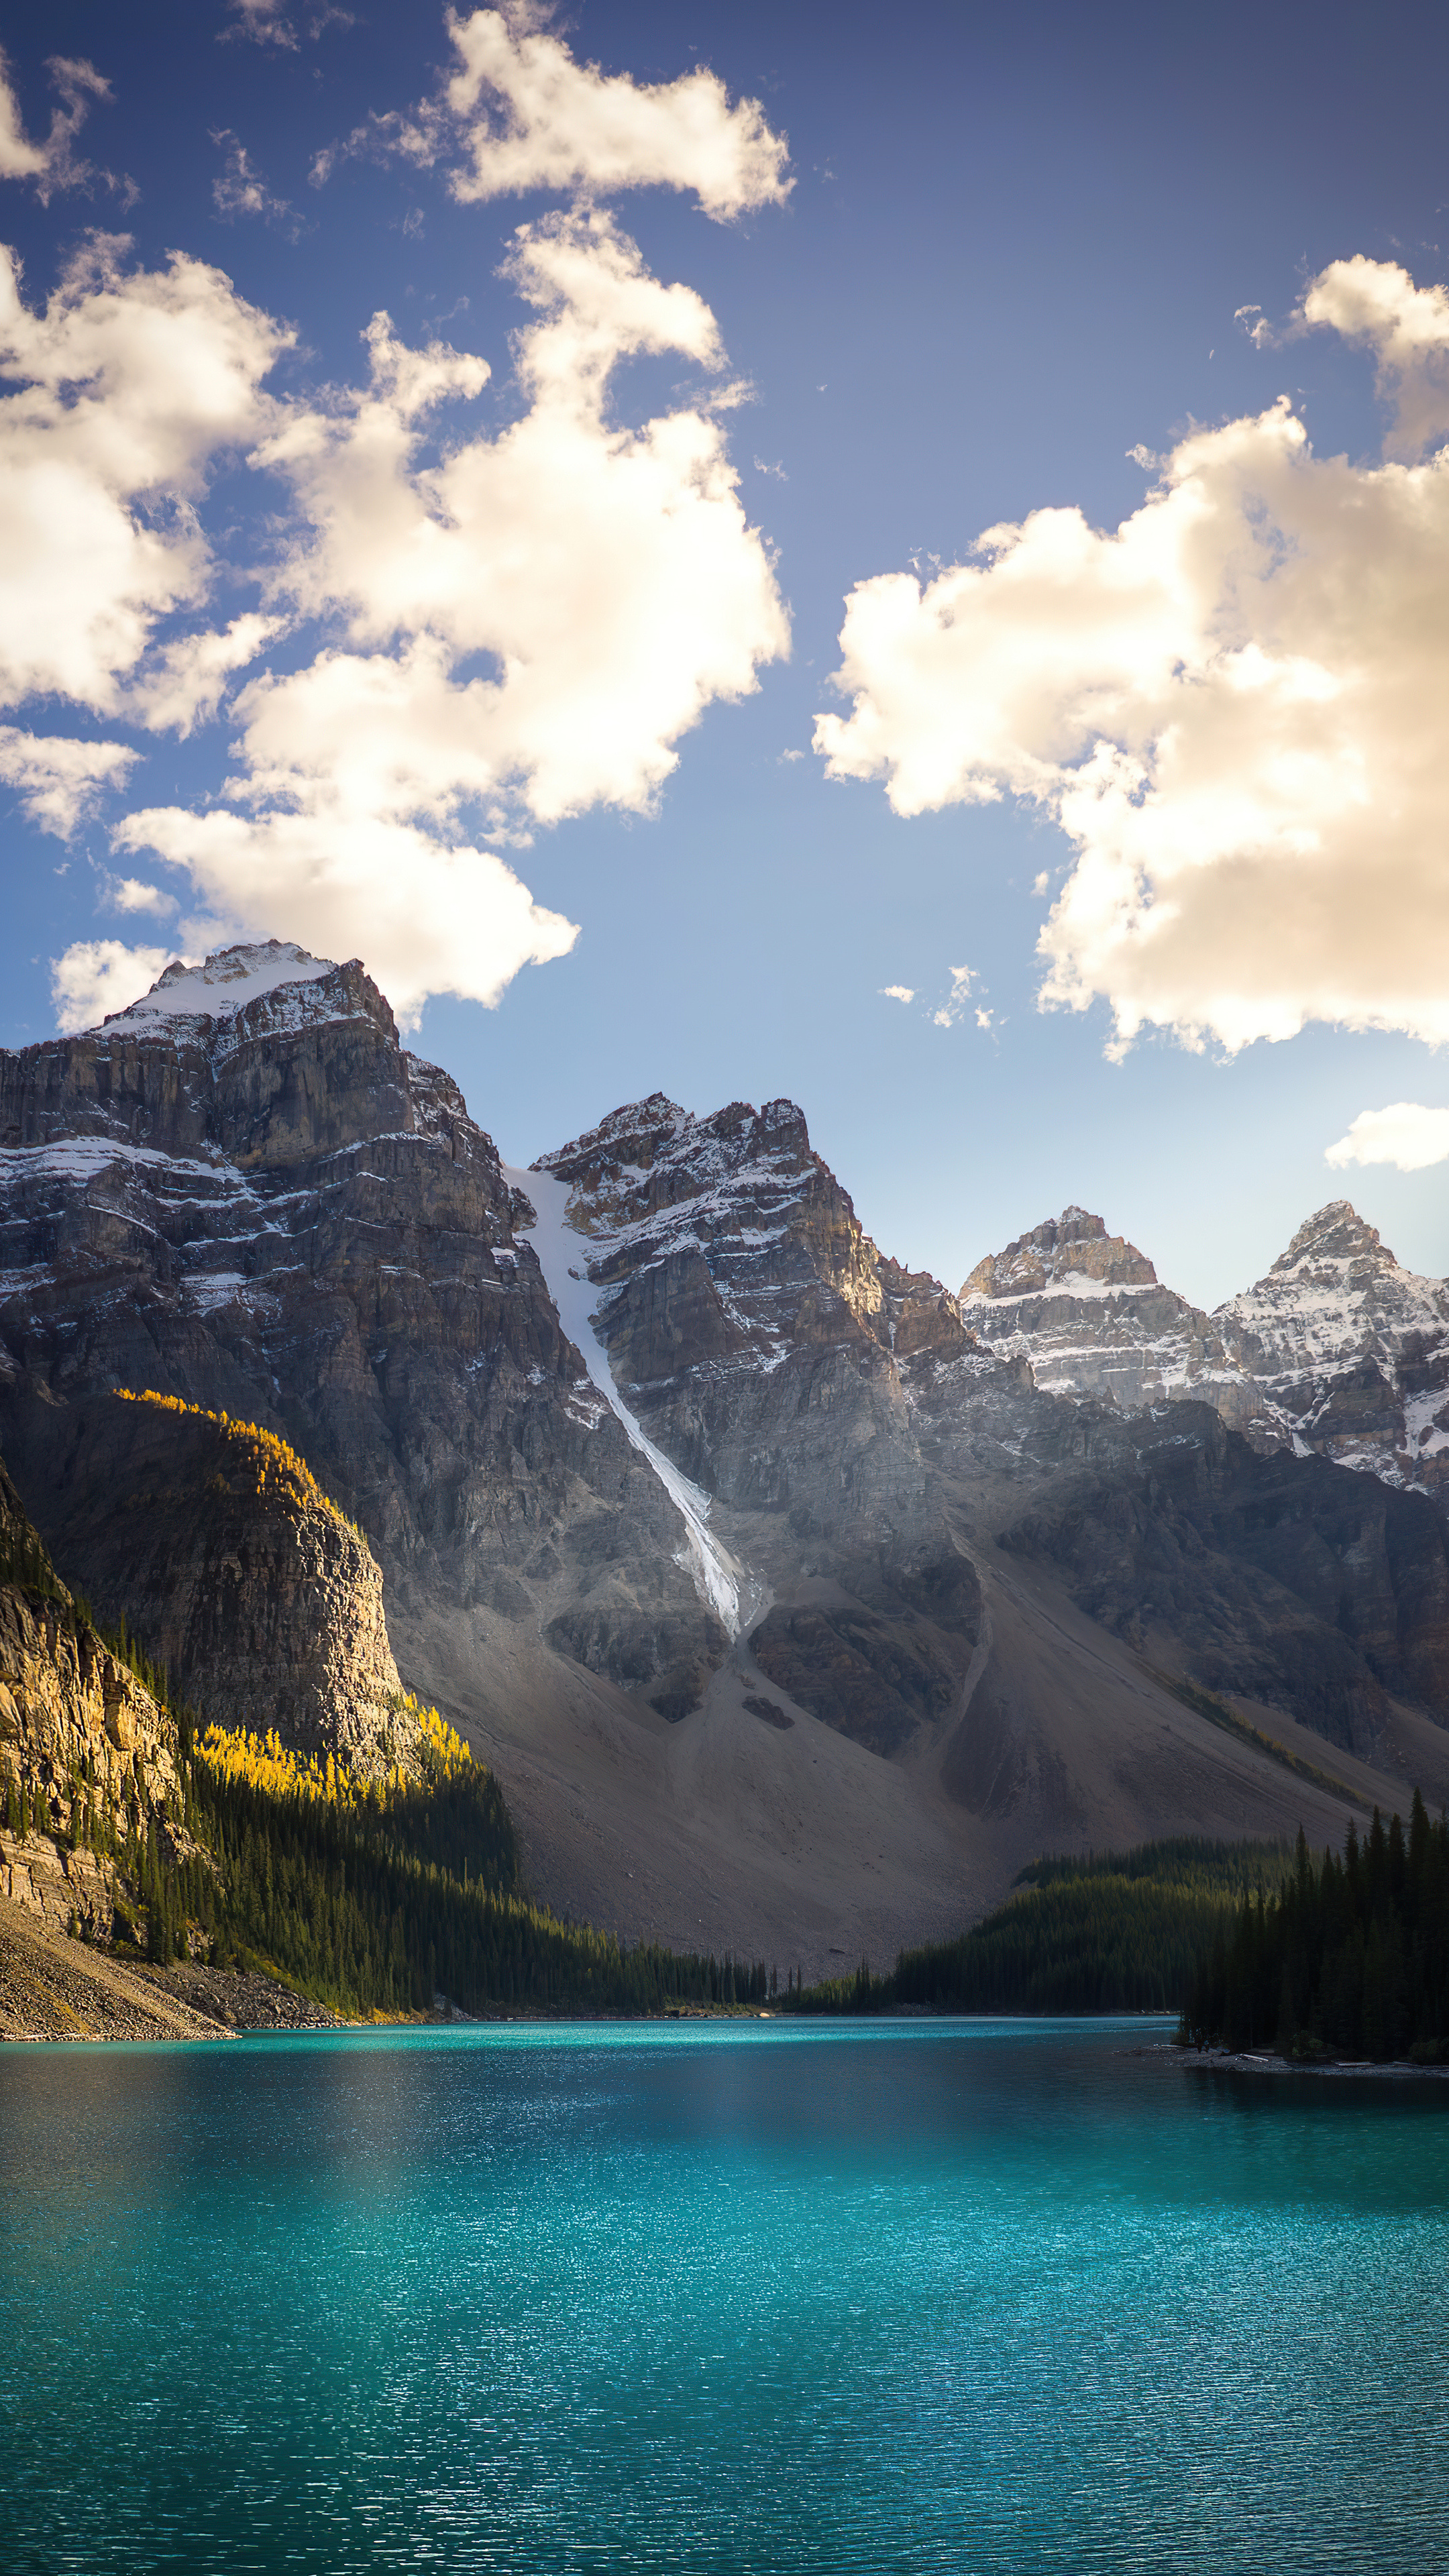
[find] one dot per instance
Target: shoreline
(1223, 2061)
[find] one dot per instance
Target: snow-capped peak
(217, 990)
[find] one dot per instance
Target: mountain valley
(795, 1602)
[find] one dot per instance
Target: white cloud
(525, 115)
(1407, 328)
(1232, 705)
(129, 385)
(609, 573)
(489, 628)
(131, 894)
(1405, 1134)
(240, 189)
(427, 918)
(100, 975)
(55, 163)
(19, 159)
(186, 680)
(59, 781)
(953, 1008)
(898, 992)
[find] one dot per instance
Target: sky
(764, 551)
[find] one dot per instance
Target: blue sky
(1005, 250)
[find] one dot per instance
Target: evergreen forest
(1349, 1959)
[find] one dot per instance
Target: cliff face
(1351, 1351)
(217, 1546)
(1338, 1352)
(1285, 1580)
(742, 1303)
(760, 1335)
(1088, 1312)
(244, 1193)
(246, 1196)
(79, 1737)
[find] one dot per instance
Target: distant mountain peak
(1057, 1255)
(1335, 1233)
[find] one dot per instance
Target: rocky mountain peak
(1335, 1235)
(227, 982)
(1059, 1256)
(264, 1054)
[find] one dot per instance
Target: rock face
(1338, 1353)
(1351, 1351)
(79, 1736)
(244, 1193)
(759, 1334)
(216, 1545)
(1089, 1314)
(1286, 1581)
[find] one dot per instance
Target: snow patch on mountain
(1335, 1298)
(228, 980)
(561, 1256)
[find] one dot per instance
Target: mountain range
(795, 1601)
(1338, 1352)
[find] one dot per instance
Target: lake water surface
(946, 2296)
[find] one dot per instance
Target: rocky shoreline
(55, 1988)
(1223, 2061)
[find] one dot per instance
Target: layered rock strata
(81, 1740)
(215, 1544)
(1351, 1351)
(760, 1334)
(243, 1192)
(1087, 1311)
(1338, 1352)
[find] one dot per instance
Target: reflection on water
(940, 2296)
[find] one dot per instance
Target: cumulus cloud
(609, 574)
(1233, 706)
(184, 681)
(428, 918)
(132, 894)
(898, 992)
(1405, 1133)
(487, 629)
(100, 975)
(523, 114)
(128, 386)
(1407, 328)
(60, 782)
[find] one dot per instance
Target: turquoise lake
(943, 2296)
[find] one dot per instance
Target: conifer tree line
(376, 1908)
(1112, 1932)
(1349, 1959)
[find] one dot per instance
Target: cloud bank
(1231, 705)
(479, 630)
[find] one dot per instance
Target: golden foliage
(265, 1762)
(273, 1460)
(443, 1747)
